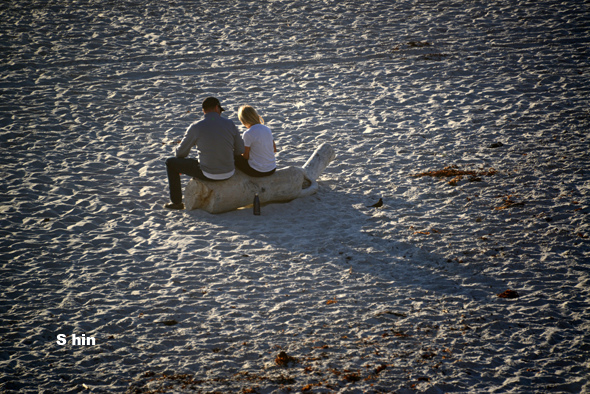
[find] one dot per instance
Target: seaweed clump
(456, 174)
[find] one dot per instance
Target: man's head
(211, 104)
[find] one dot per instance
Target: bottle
(256, 204)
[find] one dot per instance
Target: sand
(322, 294)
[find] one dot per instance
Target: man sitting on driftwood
(218, 141)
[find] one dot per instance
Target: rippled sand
(323, 294)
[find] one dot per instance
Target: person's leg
(261, 174)
(176, 166)
(243, 165)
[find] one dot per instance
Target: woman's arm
(246, 153)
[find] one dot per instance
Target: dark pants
(242, 165)
(176, 166)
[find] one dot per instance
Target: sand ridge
(322, 294)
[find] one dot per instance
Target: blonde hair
(248, 115)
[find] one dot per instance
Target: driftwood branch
(285, 184)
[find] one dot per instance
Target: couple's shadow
(342, 229)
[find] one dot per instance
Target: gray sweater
(217, 140)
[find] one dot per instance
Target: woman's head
(248, 116)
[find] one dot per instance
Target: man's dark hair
(210, 103)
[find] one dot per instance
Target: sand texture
(469, 119)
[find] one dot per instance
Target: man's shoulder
(227, 120)
(198, 122)
(215, 119)
(212, 124)
(229, 125)
(207, 121)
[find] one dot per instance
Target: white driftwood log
(285, 184)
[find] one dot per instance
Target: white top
(262, 154)
(219, 177)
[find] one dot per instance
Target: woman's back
(260, 141)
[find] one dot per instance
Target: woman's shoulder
(260, 128)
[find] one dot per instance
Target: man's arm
(238, 142)
(188, 141)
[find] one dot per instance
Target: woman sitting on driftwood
(258, 159)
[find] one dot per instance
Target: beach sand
(323, 294)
